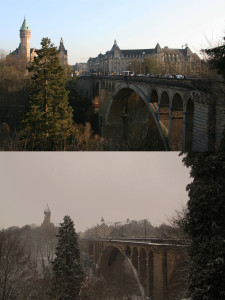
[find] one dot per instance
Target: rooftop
(25, 25)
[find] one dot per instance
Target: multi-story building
(80, 68)
(26, 53)
(160, 60)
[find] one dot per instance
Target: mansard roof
(115, 47)
(25, 25)
(139, 52)
(169, 51)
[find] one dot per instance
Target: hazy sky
(88, 186)
(89, 27)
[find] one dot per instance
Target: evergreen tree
(205, 224)
(67, 270)
(48, 121)
(216, 57)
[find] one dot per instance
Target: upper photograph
(100, 76)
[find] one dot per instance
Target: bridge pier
(139, 272)
(170, 128)
(148, 279)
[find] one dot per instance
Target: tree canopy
(205, 224)
(216, 58)
(67, 269)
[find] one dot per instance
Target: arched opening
(128, 252)
(130, 125)
(96, 98)
(154, 101)
(176, 123)
(119, 276)
(143, 269)
(164, 114)
(189, 114)
(135, 258)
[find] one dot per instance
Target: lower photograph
(112, 226)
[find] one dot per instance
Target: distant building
(80, 68)
(26, 53)
(47, 219)
(116, 60)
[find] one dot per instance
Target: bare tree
(15, 266)
(3, 54)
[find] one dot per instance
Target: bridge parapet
(200, 84)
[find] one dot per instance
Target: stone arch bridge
(148, 268)
(177, 114)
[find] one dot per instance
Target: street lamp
(144, 61)
(185, 45)
(105, 67)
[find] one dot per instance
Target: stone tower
(47, 215)
(62, 53)
(25, 35)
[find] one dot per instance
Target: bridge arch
(130, 112)
(143, 268)
(188, 124)
(122, 279)
(154, 96)
(134, 257)
(176, 126)
(164, 112)
(128, 252)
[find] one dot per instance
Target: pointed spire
(61, 46)
(47, 210)
(115, 46)
(158, 49)
(25, 25)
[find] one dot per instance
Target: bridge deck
(142, 241)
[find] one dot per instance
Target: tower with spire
(24, 51)
(47, 218)
(63, 53)
(25, 35)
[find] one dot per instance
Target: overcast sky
(89, 27)
(88, 186)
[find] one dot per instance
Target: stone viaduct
(147, 268)
(178, 114)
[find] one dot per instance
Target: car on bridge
(127, 73)
(167, 76)
(179, 76)
(150, 75)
